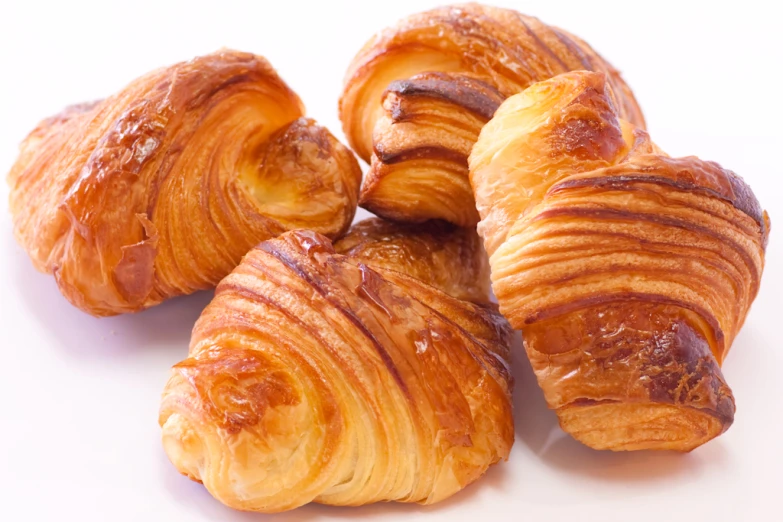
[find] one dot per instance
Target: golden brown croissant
(160, 189)
(629, 272)
(417, 95)
(315, 376)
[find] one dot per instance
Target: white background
(79, 438)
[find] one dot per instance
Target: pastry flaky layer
(340, 379)
(418, 93)
(450, 258)
(629, 272)
(160, 189)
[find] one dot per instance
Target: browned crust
(685, 174)
(309, 240)
(630, 353)
(442, 255)
(224, 372)
(476, 96)
(435, 152)
(480, 35)
(628, 215)
(588, 127)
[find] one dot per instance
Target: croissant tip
(184, 446)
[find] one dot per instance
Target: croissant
(316, 376)
(417, 95)
(160, 190)
(629, 272)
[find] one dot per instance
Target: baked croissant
(315, 376)
(160, 189)
(629, 272)
(417, 95)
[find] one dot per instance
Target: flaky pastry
(418, 93)
(629, 272)
(160, 190)
(316, 376)
(450, 258)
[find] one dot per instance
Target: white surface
(78, 426)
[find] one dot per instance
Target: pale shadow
(163, 327)
(634, 466)
(534, 423)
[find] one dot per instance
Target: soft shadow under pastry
(160, 190)
(316, 376)
(418, 93)
(629, 272)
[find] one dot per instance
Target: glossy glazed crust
(629, 272)
(160, 189)
(418, 93)
(315, 377)
(455, 259)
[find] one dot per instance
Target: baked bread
(160, 190)
(629, 272)
(315, 376)
(417, 94)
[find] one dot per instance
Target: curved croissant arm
(629, 272)
(418, 93)
(313, 376)
(450, 258)
(160, 189)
